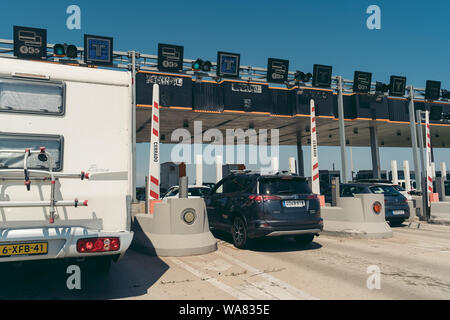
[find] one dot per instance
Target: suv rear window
(284, 186)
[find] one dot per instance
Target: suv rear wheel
(304, 239)
(239, 233)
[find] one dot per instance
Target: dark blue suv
(250, 205)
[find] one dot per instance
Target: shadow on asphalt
(281, 244)
(130, 277)
(398, 226)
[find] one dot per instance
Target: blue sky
(413, 41)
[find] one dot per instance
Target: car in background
(403, 191)
(193, 192)
(396, 205)
(250, 205)
(209, 184)
(399, 188)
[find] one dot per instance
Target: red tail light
(259, 198)
(93, 245)
(312, 197)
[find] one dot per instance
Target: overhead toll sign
(277, 70)
(170, 57)
(30, 43)
(433, 90)
(244, 96)
(362, 82)
(175, 91)
(98, 50)
(228, 64)
(397, 86)
(324, 102)
(322, 76)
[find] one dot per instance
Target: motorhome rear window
(27, 96)
(53, 145)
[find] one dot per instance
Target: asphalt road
(414, 264)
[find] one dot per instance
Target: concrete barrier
(355, 217)
(440, 212)
(177, 227)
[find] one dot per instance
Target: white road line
(292, 290)
(218, 265)
(218, 284)
(252, 290)
(274, 290)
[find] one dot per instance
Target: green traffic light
(59, 50)
(197, 65)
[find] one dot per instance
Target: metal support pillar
(375, 150)
(412, 120)
(342, 130)
(301, 164)
(133, 126)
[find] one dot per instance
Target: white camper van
(65, 162)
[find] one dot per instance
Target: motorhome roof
(24, 69)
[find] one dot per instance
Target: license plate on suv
(295, 204)
(23, 249)
(398, 212)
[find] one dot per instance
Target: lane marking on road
(274, 290)
(218, 265)
(293, 291)
(218, 284)
(255, 291)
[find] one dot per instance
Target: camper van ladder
(44, 175)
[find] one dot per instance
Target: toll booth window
(19, 142)
(37, 97)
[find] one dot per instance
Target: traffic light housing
(381, 87)
(64, 50)
(200, 65)
(300, 76)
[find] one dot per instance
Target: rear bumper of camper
(48, 243)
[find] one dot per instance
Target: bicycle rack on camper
(45, 176)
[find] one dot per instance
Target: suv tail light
(93, 245)
(259, 198)
(312, 197)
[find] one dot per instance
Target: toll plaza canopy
(232, 104)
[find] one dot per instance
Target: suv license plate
(295, 204)
(398, 212)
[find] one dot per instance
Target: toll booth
(326, 177)
(169, 175)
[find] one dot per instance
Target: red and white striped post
(314, 152)
(428, 162)
(154, 167)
